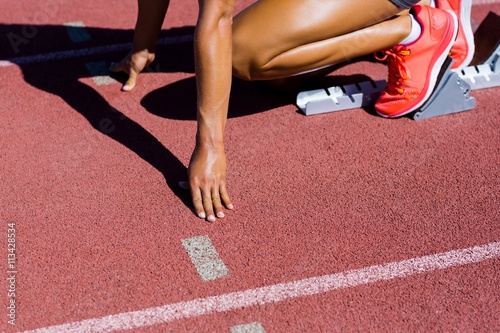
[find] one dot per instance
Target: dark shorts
(405, 3)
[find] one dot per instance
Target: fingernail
(220, 214)
(126, 88)
(230, 206)
(211, 218)
(202, 215)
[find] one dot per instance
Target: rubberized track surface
(344, 222)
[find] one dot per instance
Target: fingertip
(226, 201)
(202, 215)
(130, 83)
(127, 88)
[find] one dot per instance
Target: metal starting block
(486, 75)
(340, 98)
(450, 95)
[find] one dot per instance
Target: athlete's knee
(247, 63)
(241, 64)
(249, 56)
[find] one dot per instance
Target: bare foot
(132, 65)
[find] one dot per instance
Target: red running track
(344, 222)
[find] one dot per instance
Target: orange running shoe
(462, 51)
(414, 68)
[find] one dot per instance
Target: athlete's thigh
(275, 26)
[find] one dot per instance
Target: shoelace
(398, 71)
(456, 52)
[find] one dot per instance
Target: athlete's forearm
(150, 16)
(212, 47)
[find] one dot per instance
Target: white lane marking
(52, 56)
(484, 2)
(77, 32)
(99, 72)
(278, 292)
(248, 328)
(205, 258)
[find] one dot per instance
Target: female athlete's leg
(274, 39)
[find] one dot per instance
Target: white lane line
(205, 258)
(77, 32)
(248, 328)
(52, 56)
(278, 292)
(99, 72)
(484, 2)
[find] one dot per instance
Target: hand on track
(132, 65)
(207, 182)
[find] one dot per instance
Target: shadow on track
(21, 43)
(246, 98)
(60, 75)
